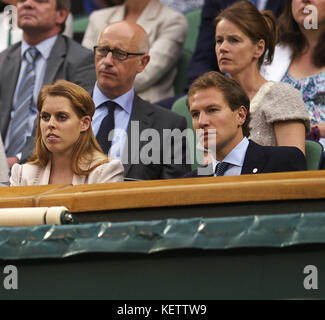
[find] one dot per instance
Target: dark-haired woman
(300, 56)
(244, 39)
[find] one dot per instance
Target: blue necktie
(221, 168)
(106, 126)
(24, 103)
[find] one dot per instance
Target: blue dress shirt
(235, 158)
(122, 116)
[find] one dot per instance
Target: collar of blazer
(56, 58)
(150, 12)
(255, 159)
(254, 162)
(8, 79)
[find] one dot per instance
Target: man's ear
(143, 61)
(61, 16)
(242, 113)
(85, 123)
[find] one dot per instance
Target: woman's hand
(321, 127)
(11, 161)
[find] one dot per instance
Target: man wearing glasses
(121, 54)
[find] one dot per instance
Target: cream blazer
(30, 174)
(167, 30)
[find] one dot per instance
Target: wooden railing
(164, 193)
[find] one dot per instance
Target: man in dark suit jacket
(59, 58)
(220, 112)
(148, 139)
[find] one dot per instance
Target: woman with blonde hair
(245, 38)
(66, 151)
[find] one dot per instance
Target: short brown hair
(86, 146)
(63, 5)
(256, 25)
(233, 93)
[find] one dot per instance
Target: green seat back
(80, 24)
(180, 81)
(314, 155)
(194, 20)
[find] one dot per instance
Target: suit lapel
(117, 15)
(55, 60)
(9, 74)
(140, 120)
(150, 12)
(255, 159)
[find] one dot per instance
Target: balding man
(143, 136)
(166, 29)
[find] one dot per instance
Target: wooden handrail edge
(176, 192)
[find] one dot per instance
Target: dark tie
(106, 126)
(221, 168)
(24, 103)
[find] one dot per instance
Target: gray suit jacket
(4, 178)
(151, 158)
(68, 60)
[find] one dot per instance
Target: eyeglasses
(117, 54)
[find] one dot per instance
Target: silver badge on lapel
(255, 170)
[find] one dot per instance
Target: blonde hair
(86, 150)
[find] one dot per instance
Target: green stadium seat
(180, 80)
(80, 24)
(314, 155)
(194, 20)
(79, 27)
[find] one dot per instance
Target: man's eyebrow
(110, 47)
(213, 105)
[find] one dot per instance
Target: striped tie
(221, 168)
(23, 105)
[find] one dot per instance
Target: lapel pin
(255, 170)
